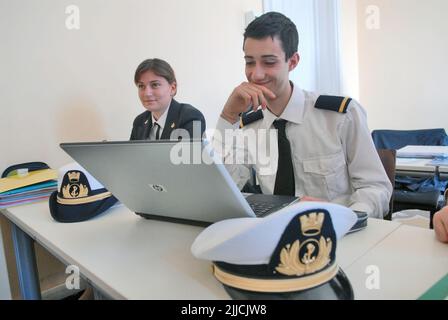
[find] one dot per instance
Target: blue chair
(397, 139)
(409, 192)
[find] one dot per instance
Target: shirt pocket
(326, 177)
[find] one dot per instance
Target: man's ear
(293, 61)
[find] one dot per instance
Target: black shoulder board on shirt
(250, 116)
(333, 103)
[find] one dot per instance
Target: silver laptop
(171, 180)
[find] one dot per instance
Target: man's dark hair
(158, 66)
(275, 24)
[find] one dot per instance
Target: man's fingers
(255, 102)
(258, 98)
(264, 102)
(444, 226)
(265, 91)
(245, 95)
(441, 226)
(441, 233)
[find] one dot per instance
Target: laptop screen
(181, 180)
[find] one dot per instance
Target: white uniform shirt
(333, 155)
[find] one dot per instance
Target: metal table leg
(26, 264)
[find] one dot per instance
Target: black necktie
(284, 181)
(157, 131)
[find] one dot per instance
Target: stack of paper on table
(30, 187)
(439, 162)
(427, 152)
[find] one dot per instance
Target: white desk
(408, 260)
(127, 257)
(124, 255)
(355, 245)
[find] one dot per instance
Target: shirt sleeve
(372, 188)
(225, 144)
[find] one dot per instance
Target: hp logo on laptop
(158, 188)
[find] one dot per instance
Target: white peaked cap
(251, 241)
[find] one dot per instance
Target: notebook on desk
(147, 177)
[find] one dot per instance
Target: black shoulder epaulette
(333, 103)
(250, 116)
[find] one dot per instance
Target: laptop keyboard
(262, 208)
(262, 205)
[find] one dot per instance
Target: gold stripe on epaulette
(241, 122)
(342, 107)
(85, 200)
(285, 285)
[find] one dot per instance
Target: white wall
(403, 65)
(61, 85)
(348, 37)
